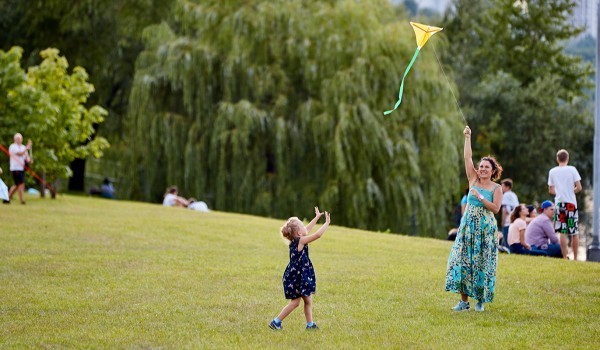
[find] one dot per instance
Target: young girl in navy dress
(299, 277)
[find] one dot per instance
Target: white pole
(593, 253)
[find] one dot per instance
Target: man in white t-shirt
(509, 202)
(564, 182)
(18, 155)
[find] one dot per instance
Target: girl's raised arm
(304, 240)
(314, 221)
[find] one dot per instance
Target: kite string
(449, 85)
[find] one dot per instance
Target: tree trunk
(76, 182)
(43, 186)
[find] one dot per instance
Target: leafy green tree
(47, 105)
(524, 96)
(271, 107)
(103, 36)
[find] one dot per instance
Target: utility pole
(593, 251)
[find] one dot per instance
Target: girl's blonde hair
(290, 229)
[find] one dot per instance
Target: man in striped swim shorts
(564, 182)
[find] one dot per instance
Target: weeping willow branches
(271, 107)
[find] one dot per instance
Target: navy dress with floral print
(299, 276)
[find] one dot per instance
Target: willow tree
(271, 107)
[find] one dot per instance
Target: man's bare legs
(564, 246)
(575, 245)
(19, 189)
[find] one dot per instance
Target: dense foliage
(270, 107)
(47, 105)
(103, 36)
(523, 95)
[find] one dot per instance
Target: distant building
(585, 14)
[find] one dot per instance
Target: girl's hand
(327, 220)
(467, 131)
(317, 212)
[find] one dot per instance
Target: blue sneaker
(313, 326)
(479, 306)
(276, 326)
(462, 306)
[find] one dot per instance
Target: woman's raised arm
(468, 155)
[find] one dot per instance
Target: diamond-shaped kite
(422, 33)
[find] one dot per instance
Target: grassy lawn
(90, 273)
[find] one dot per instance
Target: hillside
(79, 272)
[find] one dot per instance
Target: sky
(438, 5)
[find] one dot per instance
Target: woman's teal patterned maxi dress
(474, 256)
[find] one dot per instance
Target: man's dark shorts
(18, 177)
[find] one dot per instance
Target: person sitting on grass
(173, 200)
(540, 232)
(452, 234)
(516, 233)
(197, 205)
(532, 213)
(107, 190)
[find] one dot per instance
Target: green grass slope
(89, 273)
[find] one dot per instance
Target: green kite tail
(402, 84)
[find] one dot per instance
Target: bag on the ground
(3, 191)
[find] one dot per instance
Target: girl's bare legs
(464, 297)
(308, 308)
(289, 308)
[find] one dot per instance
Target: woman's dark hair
(496, 167)
(516, 213)
(172, 190)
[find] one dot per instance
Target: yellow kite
(422, 33)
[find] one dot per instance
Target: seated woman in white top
(516, 232)
(173, 200)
